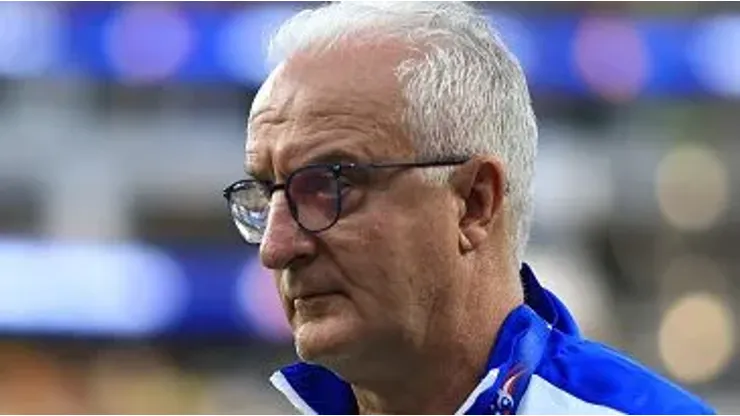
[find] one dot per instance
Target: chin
(328, 341)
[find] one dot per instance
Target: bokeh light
(258, 299)
(692, 187)
(611, 56)
(122, 290)
(696, 339)
(148, 42)
(30, 39)
(715, 56)
(243, 41)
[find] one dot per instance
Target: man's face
(374, 277)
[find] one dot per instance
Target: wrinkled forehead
(351, 88)
(357, 69)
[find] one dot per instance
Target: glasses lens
(315, 193)
(250, 207)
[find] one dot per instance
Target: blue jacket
(539, 364)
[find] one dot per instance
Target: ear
(481, 186)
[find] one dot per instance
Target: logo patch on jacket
(504, 403)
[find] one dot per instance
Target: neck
(437, 377)
(438, 389)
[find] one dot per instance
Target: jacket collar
(313, 389)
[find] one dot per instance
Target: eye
(344, 181)
(313, 182)
(354, 175)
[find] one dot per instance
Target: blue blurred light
(243, 41)
(611, 56)
(519, 38)
(122, 290)
(164, 43)
(714, 54)
(30, 36)
(148, 42)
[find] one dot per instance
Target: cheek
(385, 263)
(418, 246)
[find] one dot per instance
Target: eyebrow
(263, 112)
(336, 155)
(330, 156)
(249, 168)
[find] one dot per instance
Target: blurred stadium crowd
(124, 288)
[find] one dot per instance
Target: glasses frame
(336, 169)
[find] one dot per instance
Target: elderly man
(389, 168)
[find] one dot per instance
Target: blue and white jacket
(540, 364)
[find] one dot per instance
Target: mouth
(311, 296)
(308, 300)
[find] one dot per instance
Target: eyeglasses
(316, 195)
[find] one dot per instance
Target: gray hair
(466, 94)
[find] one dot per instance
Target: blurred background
(124, 287)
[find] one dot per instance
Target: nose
(284, 243)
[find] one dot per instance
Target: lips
(315, 305)
(313, 295)
(308, 286)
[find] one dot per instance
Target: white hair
(466, 94)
